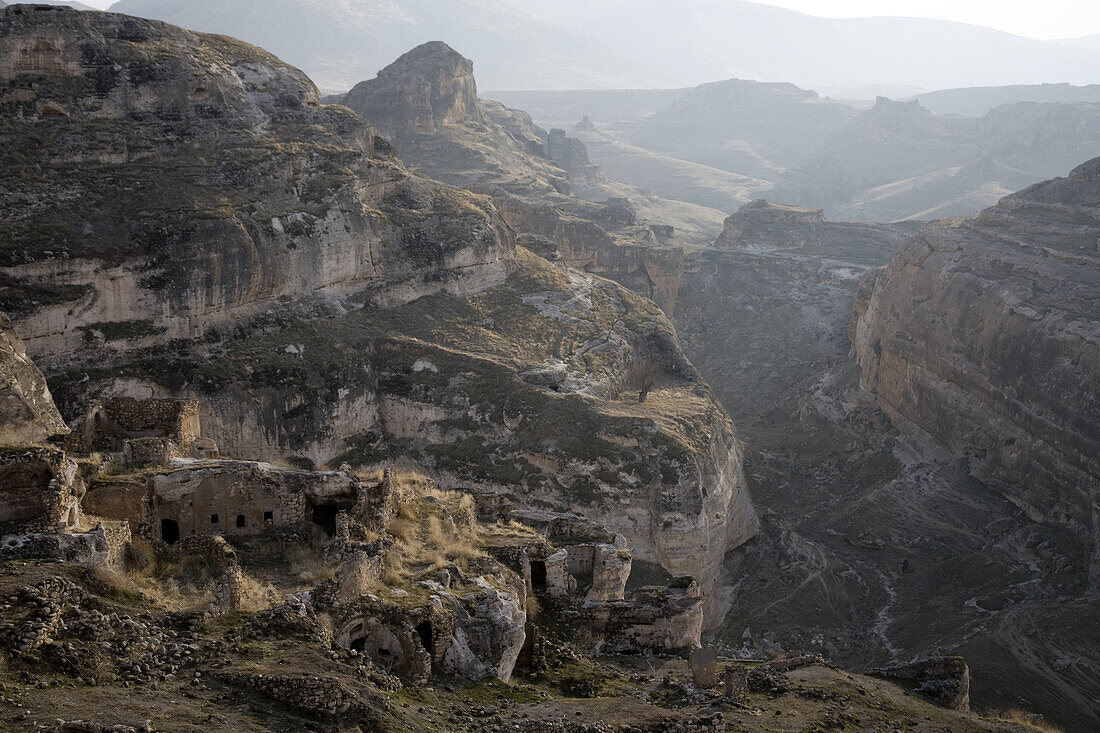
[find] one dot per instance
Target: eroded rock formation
(426, 103)
(423, 90)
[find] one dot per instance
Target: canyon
(392, 407)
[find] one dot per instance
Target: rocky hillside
(984, 334)
(752, 128)
(187, 220)
(542, 182)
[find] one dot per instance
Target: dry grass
(257, 595)
(1031, 721)
(293, 566)
(432, 529)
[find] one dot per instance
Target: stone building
(142, 432)
(243, 497)
(578, 558)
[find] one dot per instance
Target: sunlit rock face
(186, 220)
(30, 415)
(985, 333)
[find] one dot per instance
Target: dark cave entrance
(359, 644)
(169, 530)
(324, 516)
(538, 576)
(424, 631)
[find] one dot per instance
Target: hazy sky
(1049, 19)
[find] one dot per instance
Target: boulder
(944, 679)
(488, 634)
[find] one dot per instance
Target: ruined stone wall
(39, 487)
(121, 498)
(144, 431)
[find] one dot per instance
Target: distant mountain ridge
(621, 44)
(341, 42)
(716, 39)
(977, 101)
(897, 160)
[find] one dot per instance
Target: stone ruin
(146, 432)
(41, 489)
(149, 468)
(585, 564)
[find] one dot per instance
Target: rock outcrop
(423, 90)
(30, 415)
(944, 679)
(771, 226)
(985, 334)
(187, 221)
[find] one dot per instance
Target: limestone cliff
(30, 415)
(187, 220)
(985, 333)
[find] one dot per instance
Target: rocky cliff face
(187, 220)
(30, 415)
(861, 525)
(985, 333)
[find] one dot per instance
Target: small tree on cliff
(646, 374)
